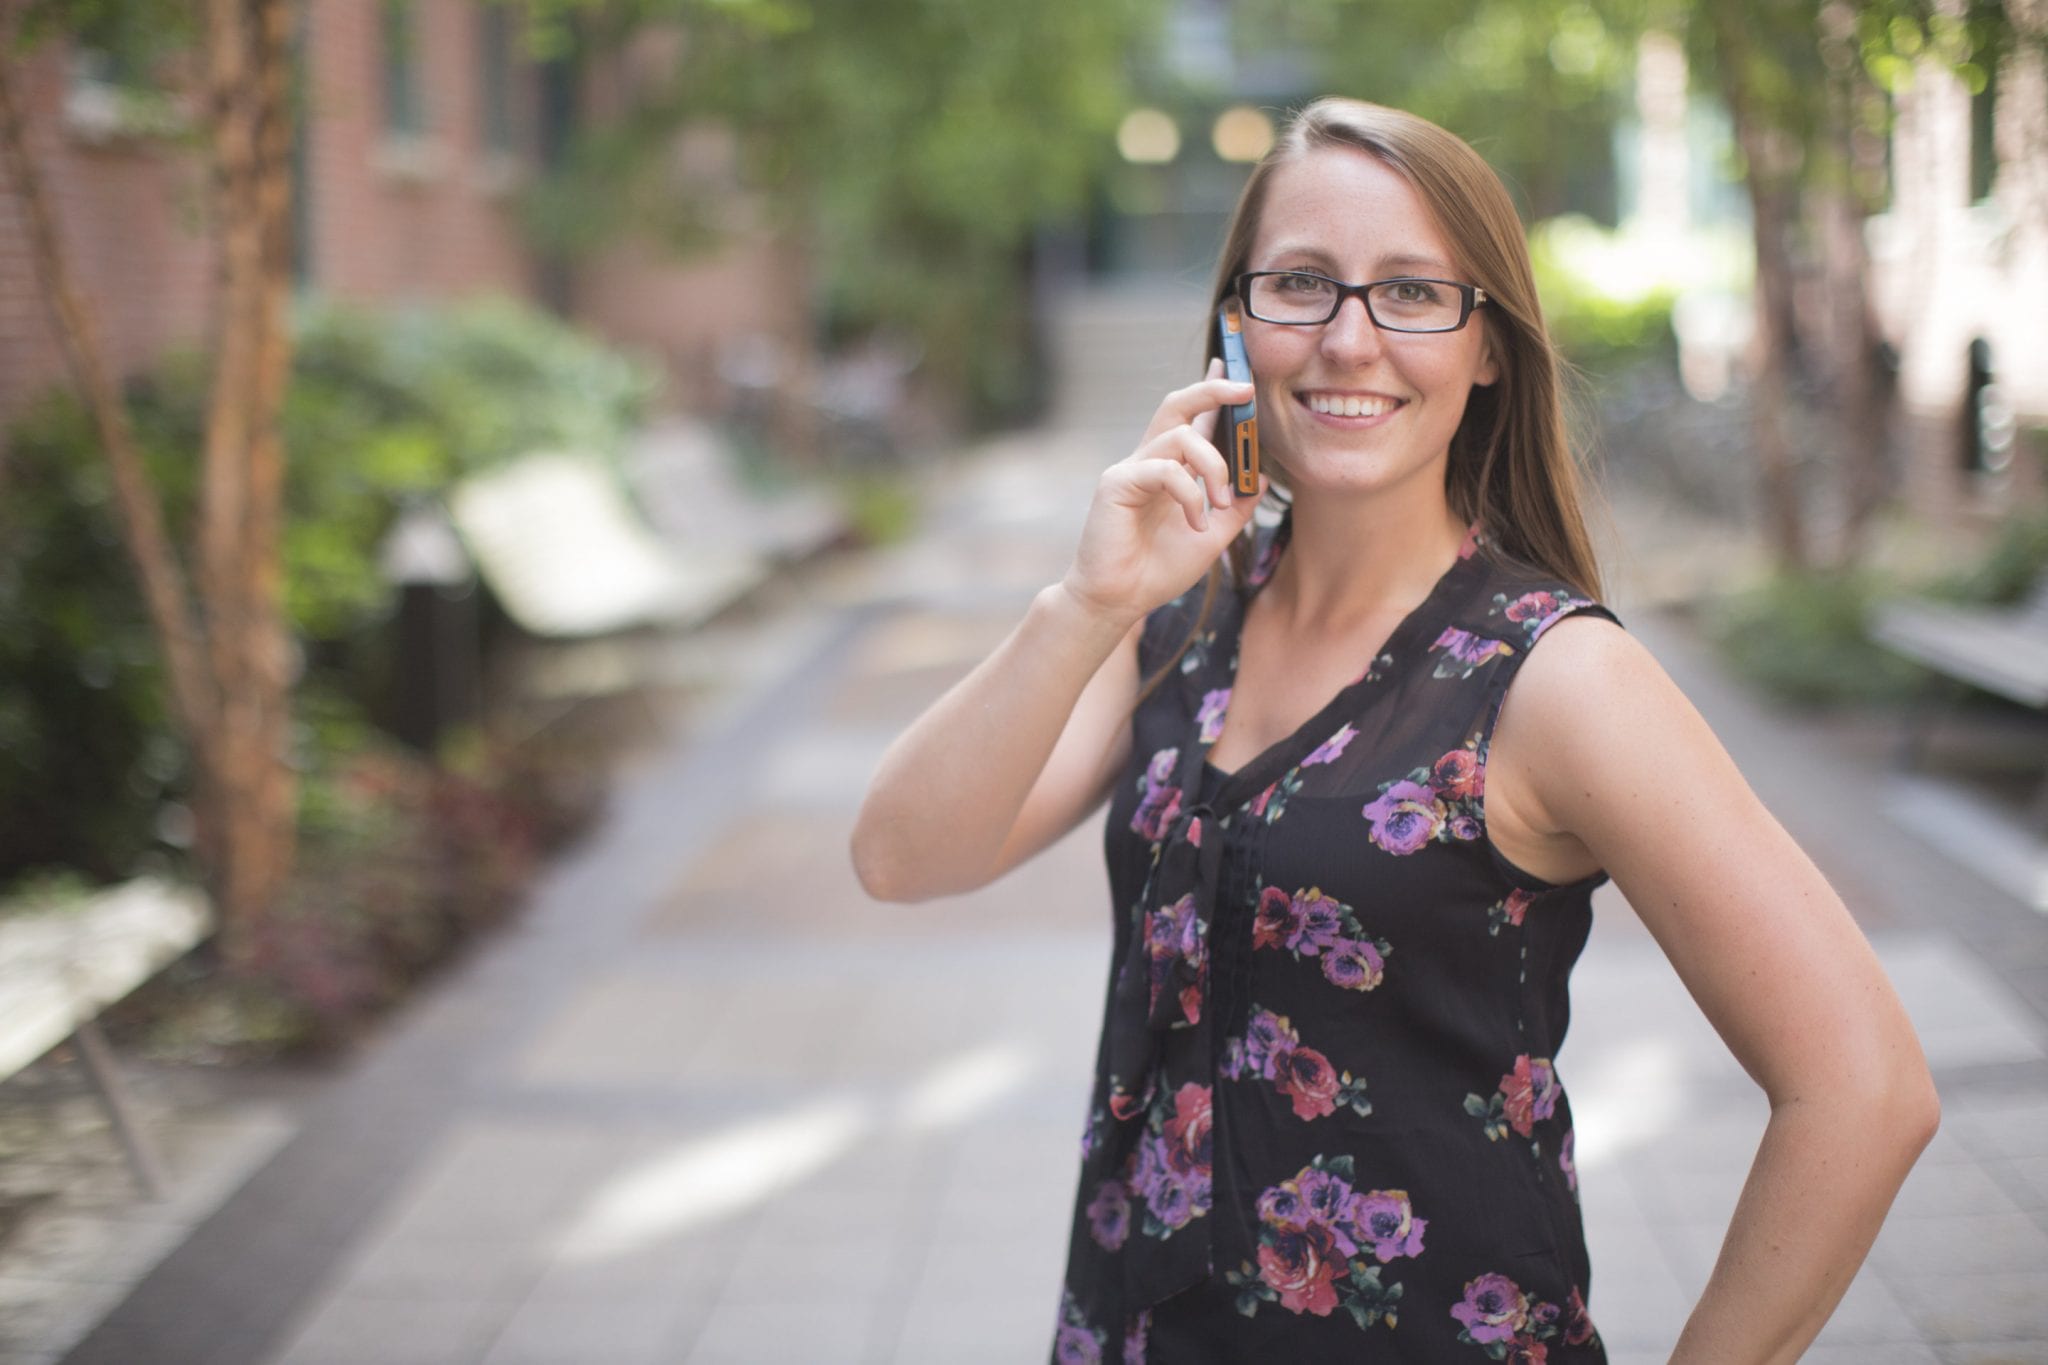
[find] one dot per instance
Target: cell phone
(1239, 425)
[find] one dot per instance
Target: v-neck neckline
(1265, 767)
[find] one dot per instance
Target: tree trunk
(240, 549)
(1771, 198)
(229, 664)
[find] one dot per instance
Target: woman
(1351, 879)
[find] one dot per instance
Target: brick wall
(386, 219)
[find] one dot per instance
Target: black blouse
(1327, 1121)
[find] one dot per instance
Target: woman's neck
(1352, 564)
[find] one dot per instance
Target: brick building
(421, 121)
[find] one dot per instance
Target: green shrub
(381, 408)
(1802, 638)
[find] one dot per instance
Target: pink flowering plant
(1271, 1050)
(1322, 1243)
(1434, 804)
(1307, 923)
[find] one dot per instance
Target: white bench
(60, 968)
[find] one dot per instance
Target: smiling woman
(1352, 867)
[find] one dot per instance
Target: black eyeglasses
(1298, 298)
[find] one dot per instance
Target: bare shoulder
(1590, 711)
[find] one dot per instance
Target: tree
(911, 146)
(228, 653)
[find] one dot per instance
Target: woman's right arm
(1018, 752)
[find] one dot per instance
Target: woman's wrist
(1063, 602)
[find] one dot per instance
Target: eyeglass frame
(1471, 296)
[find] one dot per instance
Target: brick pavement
(704, 1103)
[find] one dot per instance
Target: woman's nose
(1351, 337)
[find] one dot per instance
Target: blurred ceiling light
(1147, 136)
(1242, 133)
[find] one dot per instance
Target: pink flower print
(1578, 1325)
(1161, 802)
(1331, 749)
(1278, 919)
(1516, 905)
(1327, 1198)
(1134, 1339)
(1189, 1133)
(1459, 774)
(1354, 964)
(1384, 1220)
(1296, 1263)
(1259, 801)
(1567, 1163)
(1494, 1310)
(1530, 1093)
(1565, 607)
(1267, 1036)
(1467, 650)
(1318, 923)
(1526, 1351)
(1176, 931)
(1214, 705)
(1282, 1206)
(1109, 1215)
(1474, 538)
(1308, 1080)
(1406, 818)
(1532, 606)
(1076, 1345)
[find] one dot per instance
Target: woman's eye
(1300, 284)
(1415, 291)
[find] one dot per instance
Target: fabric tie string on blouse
(1163, 979)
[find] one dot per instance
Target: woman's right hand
(1162, 514)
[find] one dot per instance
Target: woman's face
(1346, 214)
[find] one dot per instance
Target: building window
(1983, 138)
(404, 112)
(497, 35)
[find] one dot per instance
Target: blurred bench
(1998, 650)
(60, 968)
(604, 565)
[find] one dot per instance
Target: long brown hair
(1512, 466)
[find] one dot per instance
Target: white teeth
(1349, 405)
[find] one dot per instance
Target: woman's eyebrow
(1395, 262)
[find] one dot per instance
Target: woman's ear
(1489, 367)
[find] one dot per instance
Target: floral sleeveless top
(1328, 1121)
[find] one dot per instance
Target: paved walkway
(705, 1103)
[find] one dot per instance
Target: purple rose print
(1354, 965)
(1331, 749)
(1320, 924)
(1567, 1163)
(1134, 1339)
(1495, 1308)
(1384, 1220)
(1406, 818)
(1214, 704)
(1278, 920)
(1463, 828)
(1109, 1215)
(1076, 1345)
(1465, 652)
(1161, 802)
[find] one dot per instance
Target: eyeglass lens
(1411, 305)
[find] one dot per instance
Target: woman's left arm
(1616, 757)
